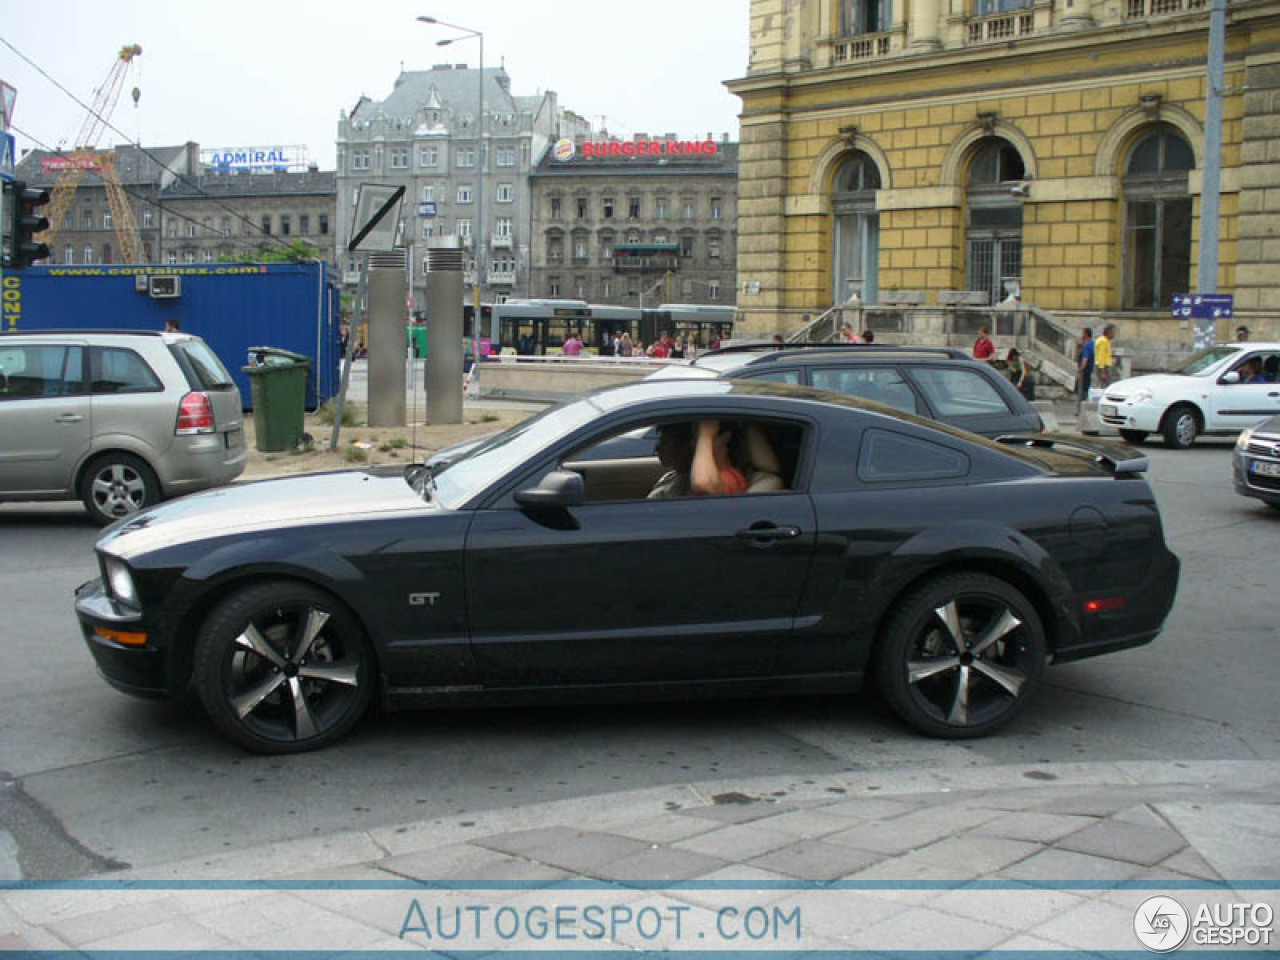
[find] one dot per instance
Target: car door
(1234, 406)
(636, 591)
(46, 417)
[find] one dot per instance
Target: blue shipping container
(233, 306)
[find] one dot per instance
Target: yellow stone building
(902, 148)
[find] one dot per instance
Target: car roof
(735, 357)
(167, 336)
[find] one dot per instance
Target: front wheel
(283, 668)
(1181, 427)
(1134, 437)
(960, 656)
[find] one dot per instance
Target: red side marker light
(1104, 605)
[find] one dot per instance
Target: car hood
(263, 506)
(1157, 383)
(1269, 427)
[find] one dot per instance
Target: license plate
(1263, 469)
(1107, 410)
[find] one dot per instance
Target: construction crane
(84, 157)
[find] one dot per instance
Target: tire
(1134, 437)
(1181, 426)
(117, 485)
(269, 690)
(928, 668)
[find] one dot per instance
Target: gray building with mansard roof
(426, 136)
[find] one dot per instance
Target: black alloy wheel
(117, 485)
(283, 668)
(1134, 437)
(960, 656)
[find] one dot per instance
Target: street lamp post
(479, 237)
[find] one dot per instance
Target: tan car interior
(631, 478)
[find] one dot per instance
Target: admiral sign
(567, 149)
(255, 159)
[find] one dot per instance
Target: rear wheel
(1181, 427)
(283, 668)
(960, 656)
(1133, 436)
(116, 485)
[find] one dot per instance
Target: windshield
(1198, 363)
(495, 456)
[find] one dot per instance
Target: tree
(299, 251)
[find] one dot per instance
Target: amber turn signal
(121, 636)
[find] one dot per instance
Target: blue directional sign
(426, 209)
(1203, 306)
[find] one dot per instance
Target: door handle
(68, 418)
(767, 532)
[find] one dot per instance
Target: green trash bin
(278, 379)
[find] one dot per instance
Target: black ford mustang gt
(948, 567)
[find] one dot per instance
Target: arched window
(993, 227)
(856, 233)
(1157, 224)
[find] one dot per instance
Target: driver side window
(653, 460)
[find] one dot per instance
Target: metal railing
(825, 327)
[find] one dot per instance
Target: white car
(1224, 389)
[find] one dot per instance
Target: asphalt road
(91, 779)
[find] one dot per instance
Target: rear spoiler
(1114, 456)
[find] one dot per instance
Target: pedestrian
(983, 347)
(172, 325)
(1242, 334)
(778, 342)
(625, 346)
(1084, 367)
(572, 348)
(847, 334)
(1020, 374)
(868, 336)
(1102, 357)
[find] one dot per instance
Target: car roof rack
(1120, 459)
(791, 350)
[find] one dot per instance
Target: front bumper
(1249, 484)
(136, 670)
(1118, 413)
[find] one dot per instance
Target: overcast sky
(264, 73)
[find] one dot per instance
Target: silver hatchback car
(117, 419)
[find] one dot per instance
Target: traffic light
(24, 205)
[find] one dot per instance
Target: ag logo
(1161, 924)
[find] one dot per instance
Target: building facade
(636, 223)
(187, 213)
(87, 233)
(224, 215)
(1055, 149)
(428, 136)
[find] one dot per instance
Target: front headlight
(1244, 438)
(120, 581)
(1141, 395)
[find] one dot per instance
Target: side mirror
(560, 488)
(1232, 377)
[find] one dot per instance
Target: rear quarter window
(889, 457)
(120, 370)
(959, 393)
(881, 384)
(209, 372)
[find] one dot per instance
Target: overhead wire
(141, 149)
(144, 198)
